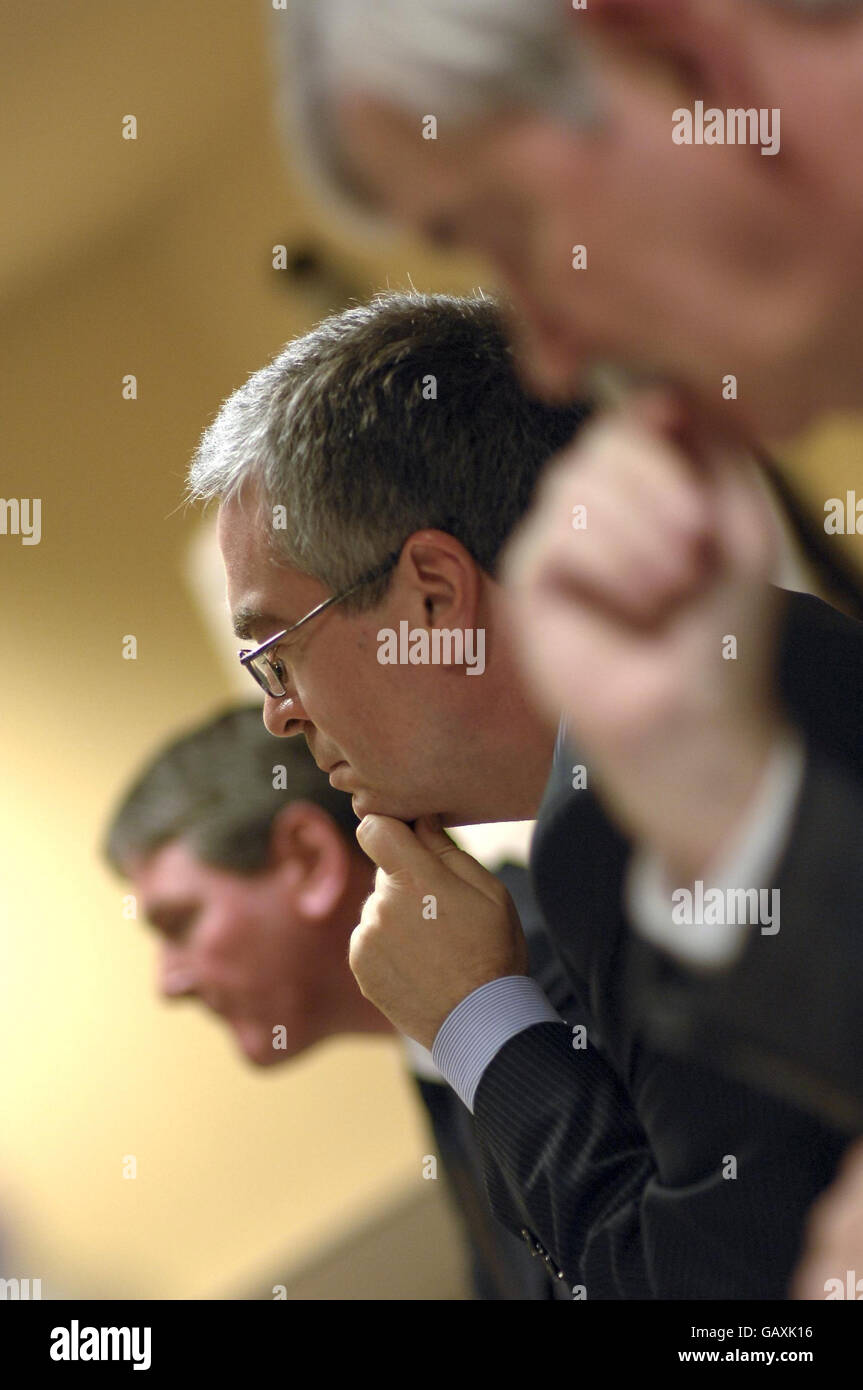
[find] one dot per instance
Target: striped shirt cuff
(479, 1026)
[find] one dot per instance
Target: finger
(633, 558)
(635, 585)
(608, 562)
(643, 474)
(391, 845)
(434, 838)
(809, 1281)
(659, 410)
(644, 542)
(746, 529)
(851, 1171)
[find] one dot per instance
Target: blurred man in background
(243, 858)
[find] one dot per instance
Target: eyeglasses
(267, 673)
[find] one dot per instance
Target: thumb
(659, 410)
(390, 844)
(434, 838)
(747, 532)
(430, 832)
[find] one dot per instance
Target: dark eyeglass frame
(255, 659)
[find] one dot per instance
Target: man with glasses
(735, 277)
(605, 1155)
(263, 664)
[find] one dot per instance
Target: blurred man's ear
(312, 858)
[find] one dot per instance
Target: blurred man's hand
(629, 614)
(437, 926)
(834, 1245)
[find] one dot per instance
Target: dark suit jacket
(620, 1160)
(502, 1268)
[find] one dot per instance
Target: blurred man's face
(401, 739)
(238, 944)
(702, 261)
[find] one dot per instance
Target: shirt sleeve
(478, 1027)
(746, 860)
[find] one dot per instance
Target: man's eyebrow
(249, 620)
(154, 913)
(160, 914)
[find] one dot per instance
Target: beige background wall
(150, 257)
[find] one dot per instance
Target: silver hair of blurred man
(455, 55)
(454, 59)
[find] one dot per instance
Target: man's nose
(284, 715)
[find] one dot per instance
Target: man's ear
(311, 857)
(444, 576)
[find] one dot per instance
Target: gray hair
(214, 789)
(388, 418)
(456, 59)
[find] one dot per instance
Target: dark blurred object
(310, 272)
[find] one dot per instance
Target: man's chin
(366, 803)
(258, 1045)
(371, 804)
(264, 1060)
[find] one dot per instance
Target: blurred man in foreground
(833, 1264)
(243, 858)
(554, 151)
